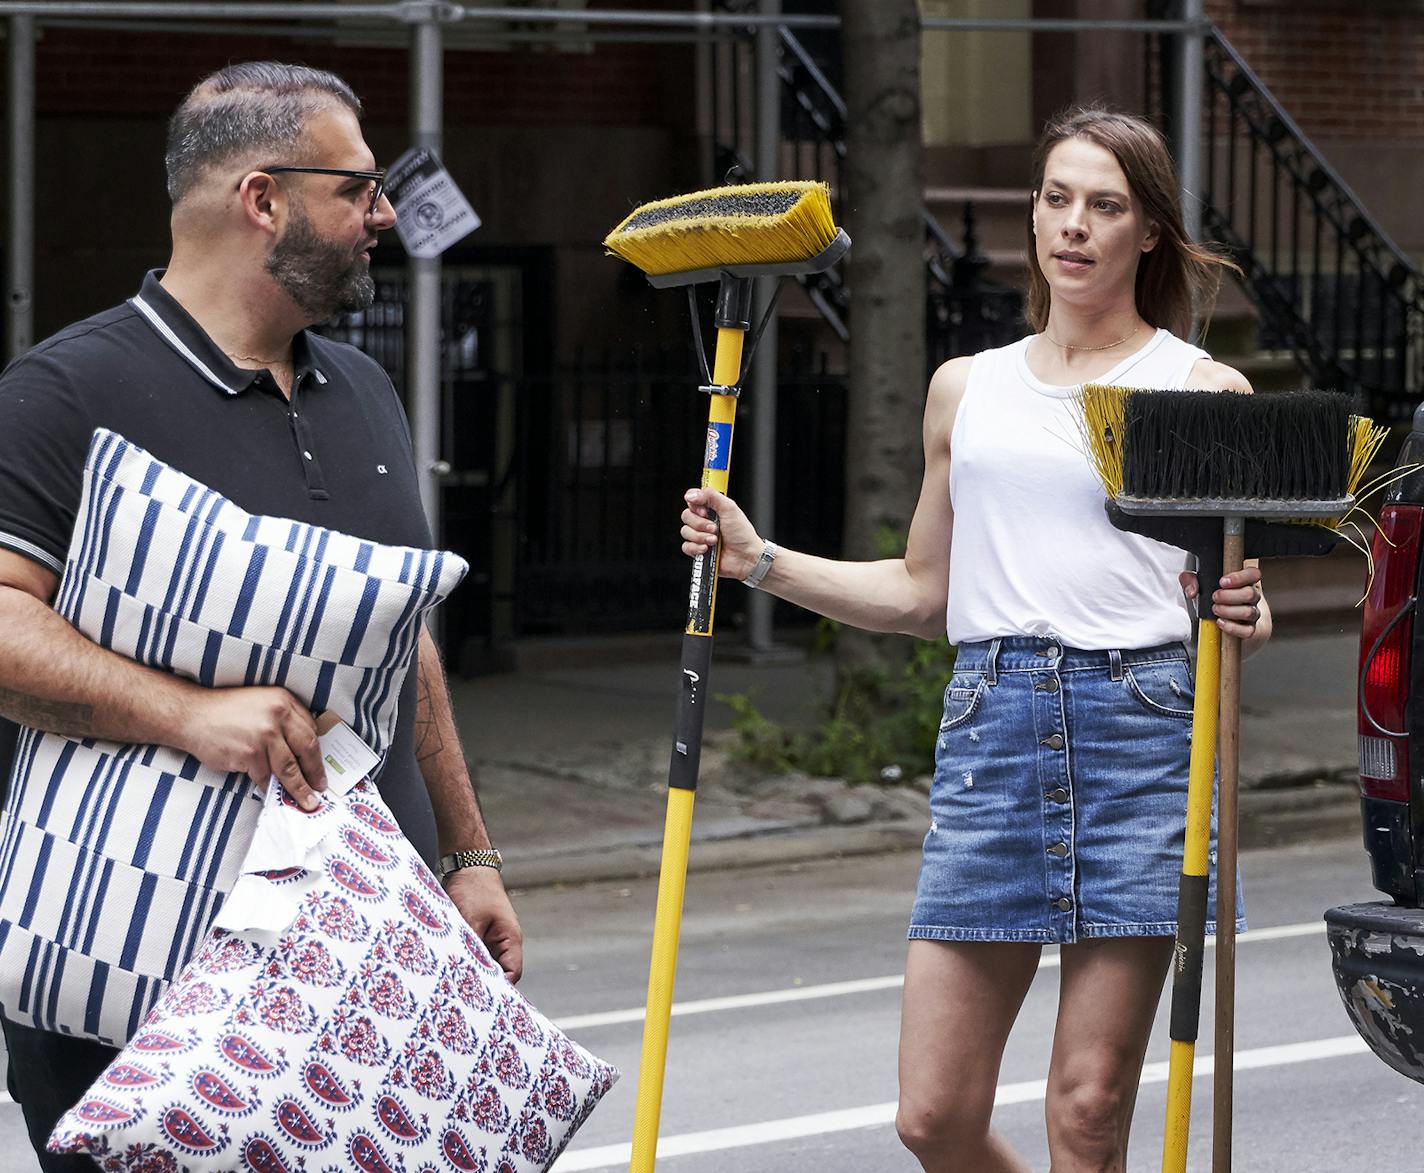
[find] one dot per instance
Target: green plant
(881, 724)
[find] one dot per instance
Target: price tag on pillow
(288, 853)
(346, 757)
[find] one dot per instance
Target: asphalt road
(782, 1053)
(742, 1079)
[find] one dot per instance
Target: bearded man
(277, 202)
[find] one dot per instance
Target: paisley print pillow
(373, 1034)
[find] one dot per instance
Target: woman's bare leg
(1109, 996)
(961, 998)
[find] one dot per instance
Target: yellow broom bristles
(1100, 420)
(1366, 436)
(748, 224)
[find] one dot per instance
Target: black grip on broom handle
(691, 711)
(1187, 958)
(1208, 579)
(692, 697)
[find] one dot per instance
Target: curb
(767, 849)
(1274, 817)
(1309, 813)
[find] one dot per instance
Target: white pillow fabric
(114, 858)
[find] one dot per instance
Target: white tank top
(1032, 551)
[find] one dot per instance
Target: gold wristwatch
(485, 857)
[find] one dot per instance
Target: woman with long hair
(1059, 796)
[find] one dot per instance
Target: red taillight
(1384, 744)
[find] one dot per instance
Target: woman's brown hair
(1178, 278)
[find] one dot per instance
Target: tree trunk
(882, 207)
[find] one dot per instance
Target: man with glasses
(211, 367)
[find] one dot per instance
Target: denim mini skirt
(1059, 802)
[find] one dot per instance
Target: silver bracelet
(768, 556)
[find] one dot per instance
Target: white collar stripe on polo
(166, 333)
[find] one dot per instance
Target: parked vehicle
(1378, 948)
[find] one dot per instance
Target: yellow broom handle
(677, 832)
(1192, 899)
(672, 882)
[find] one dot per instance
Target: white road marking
(738, 1001)
(1009, 1094)
(880, 1115)
(861, 986)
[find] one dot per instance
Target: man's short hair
(255, 107)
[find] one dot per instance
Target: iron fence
(1331, 288)
(564, 482)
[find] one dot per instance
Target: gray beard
(321, 276)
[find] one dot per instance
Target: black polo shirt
(338, 455)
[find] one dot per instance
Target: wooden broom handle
(1229, 734)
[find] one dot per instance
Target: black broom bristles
(1292, 445)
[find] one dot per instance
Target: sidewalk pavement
(571, 758)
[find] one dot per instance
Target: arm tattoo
(67, 717)
(429, 740)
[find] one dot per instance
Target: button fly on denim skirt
(1058, 849)
(1053, 741)
(1049, 685)
(1063, 904)
(1058, 795)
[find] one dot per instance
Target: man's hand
(480, 896)
(260, 732)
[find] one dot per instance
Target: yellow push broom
(729, 235)
(1202, 470)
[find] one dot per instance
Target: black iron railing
(603, 447)
(608, 447)
(1331, 288)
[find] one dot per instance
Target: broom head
(1292, 454)
(750, 230)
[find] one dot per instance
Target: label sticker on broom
(431, 212)
(719, 447)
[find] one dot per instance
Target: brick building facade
(1352, 77)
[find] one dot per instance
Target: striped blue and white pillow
(115, 857)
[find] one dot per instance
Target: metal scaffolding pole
(1191, 79)
(208, 10)
(20, 255)
(408, 11)
(422, 323)
(763, 403)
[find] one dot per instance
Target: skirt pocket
(961, 699)
(1163, 687)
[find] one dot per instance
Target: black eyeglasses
(377, 177)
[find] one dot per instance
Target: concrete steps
(1231, 338)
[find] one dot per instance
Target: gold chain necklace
(266, 362)
(1105, 346)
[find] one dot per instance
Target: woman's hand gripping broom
(1189, 468)
(729, 235)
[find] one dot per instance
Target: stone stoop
(1231, 339)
